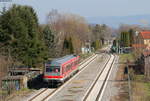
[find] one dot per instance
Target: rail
(86, 97)
(82, 65)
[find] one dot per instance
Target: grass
(124, 57)
(140, 89)
(22, 92)
(3, 92)
(139, 78)
(84, 56)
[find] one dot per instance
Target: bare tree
(68, 26)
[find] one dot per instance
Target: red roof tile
(145, 34)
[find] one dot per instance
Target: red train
(59, 70)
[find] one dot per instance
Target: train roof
(59, 61)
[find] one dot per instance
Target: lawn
(140, 89)
(124, 57)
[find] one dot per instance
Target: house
(141, 46)
(141, 41)
(144, 38)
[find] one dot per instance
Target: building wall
(147, 42)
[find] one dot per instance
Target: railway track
(46, 92)
(38, 94)
(95, 92)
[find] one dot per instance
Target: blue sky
(88, 8)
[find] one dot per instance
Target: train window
(49, 70)
(75, 63)
(63, 70)
(78, 61)
(52, 69)
(72, 64)
(68, 67)
(57, 70)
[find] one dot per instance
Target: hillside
(115, 21)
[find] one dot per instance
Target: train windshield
(53, 70)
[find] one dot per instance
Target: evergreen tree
(71, 50)
(131, 32)
(68, 46)
(96, 44)
(20, 33)
(125, 39)
(49, 40)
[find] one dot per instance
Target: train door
(63, 70)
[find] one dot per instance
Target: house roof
(145, 34)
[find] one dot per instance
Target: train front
(52, 73)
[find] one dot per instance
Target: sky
(87, 8)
